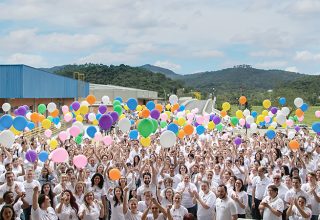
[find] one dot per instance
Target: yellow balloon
(77, 112)
(84, 109)
(14, 131)
(265, 112)
(53, 144)
(139, 108)
(145, 141)
(168, 106)
(266, 103)
(168, 113)
(271, 128)
(239, 114)
(260, 118)
(79, 118)
(95, 122)
(284, 125)
(187, 112)
(226, 106)
(121, 116)
(211, 125)
(126, 107)
(46, 123)
(181, 121)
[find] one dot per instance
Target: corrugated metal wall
(20, 81)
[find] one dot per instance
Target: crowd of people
(201, 177)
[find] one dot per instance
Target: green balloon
(295, 118)
(145, 127)
(219, 127)
(234, 121)
(50, 118)
(118, 109)
(155, 125)
(116, 103)
(163, 124)
(78, 139)
(42, 108)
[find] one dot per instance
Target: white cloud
(292, 69)
(28, 59)
(267, 53)
(168, 65)
(305, 6)
(108, 57)
(306, 56)
(271, 64)
(208, 53)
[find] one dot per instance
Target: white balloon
(253, 127)
(6, 107)
(84, 103)
(298, 102)
(124, 125)
(105, 99)
(270, 114)
(291, 134)
(79, 125)
(167, 139)
(274, 124)
(285, 111)
(51, 107)
(173, 99)
(246, 112)
(250, 119)
(58, 126)
(28, 115)
(6, 138)
(91, 116)
(281, 119)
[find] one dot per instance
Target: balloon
(145, 113)
(48, 133)
(145, 142)
(7, 138)
(118, 109)
(132, 104)
(91, 99)
(181, 121)
(107, 140)
(173, 127)
(139, 108)
(200, 129)
(65, 109)
(188, 129)
(271, 134)
(116, 103)
(291, 134)
(84, 109)
(22, 111)
(281, 119)
(75, 106)
(173, 99)
(19, 123)
(6, 121)
(181, 134)
(234, 121)
(211, 125)
(242, 122)
(297, 128)
(6, 107)
(304, 107)
(114, 116)
(274, 110)
(298, 102)
(299, 112)
(63, 136)
(124, 125)
(242, 100)
(51, 107)
(199, 120)
(42, 108)
(294, 145)
(266, 103)
(46, 123)
(219, 127)
(237, 141)
(114, 174)
(59, 155)
(79, 118)
(150, 105)
(239, 114)
(78, 139)
(67, 117)
(216, 119)
(91, 116)
(317, 114)
(155, 114)
(80, 161)
(282, 101)
(105, 122)
(145, 127)
(316, 127)
(102, 109)
(226, 106)
(289, 122)
(223, 113)
(159, 107)
(91, 130)
(163, 124)
(249, 119)
(167, 139)
(43, 156)
(31, 156)
(253, 127)
(133, 135)
(53, 143)
(285, 111)
(182, 108)
(30, 125)
(105, 99)
(74, 131)
(155, 125)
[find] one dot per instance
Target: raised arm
(35, 196)
(125, 200)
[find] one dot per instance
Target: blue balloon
(182, 108)
(254, 114)
(132, 104)
(56, 120)
(20, 123)
(150, 105)
(6, 121)
(30, 125)
(173, 127)
(282, 101)
(1, 128)
(316, 127)
(91, 131)
(119, 99)
(132, 122)
(200, 129)
(43, 156)
(271, 134)
(304, 107)
(133, 135)
(98, 116)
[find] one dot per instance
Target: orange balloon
(114, 174)
(188, 129)
(55, 113)
(181, 134)
(35, 117)
(91, 99)
(299, 112)
(175, 107)
(145, 113)
(159, 107)
(294, 145)
(175, 122)
(242, 100)
(41, 118)
(223, 113)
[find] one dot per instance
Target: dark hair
(6, 194)
(286, 170)
(117, 202)
(300, 197)
(188, 216)
(134, 161)
(7, 207)
(242, 186)
(50, 195)
(100, 185)
(296, 178)
(223, 186)
(278, 153)
(182, 165)
(260, 154)
(294, 169)
(73, 202)
(274, 188)
(41, 199)
(146, 174)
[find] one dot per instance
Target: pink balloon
(65, 109)
(289, 123)
(190, 116)
(107, 140)
(59, 155)
(267, 119)
(200, 120)
(163, 117)
(67, 117)
(98, 136)
(206, 117)
(48, 133)
(63, 136)
(301, 118)
(74, 131)
(189, 121)
(242, 121)
(80, 161)
(317, 113)
(225, 136)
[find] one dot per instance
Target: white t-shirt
(40, 214)
(296, 214)
(67, 213)
(160, 217)
(243, 197)
(261, 186)
(315, 206)
(29, 189)
(225, 208)
(177, 214)
(186, 196)
(143, 188)
(209, 199)
(93, 214)
(291, 194)
(275, 203)
(4, 188)
(130, 216)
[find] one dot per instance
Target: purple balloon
(155, 114)
(114, 116)
(274, 110)
(22, 111)
(247, 125)
(74, 120)
(86, 116)
(102, 109)
(237, 141)
(16, 112)
(216, 119)
(297, 128)
(26, 107)
(31, 156)
(318, 133)
(196, 124)
(105, 122)
(75, 105)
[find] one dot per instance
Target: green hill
(156, 69)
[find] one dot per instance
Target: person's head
(100, 169)
(9, 177)
(238, 185)
(64, 178)
(186, 179)
(169, 193)
(146, 178)
(122, 181)
(92, 161)
(8, 197)
(70, 171)
(261, 171)
(288, 181)
(312, 177)
(154, 209)
(177, 198)
(168, 182)
(294, 172)
(97, 180)
(205, 186)
(147, 195)
(284, 170)
(188, 216)
(44, 172)
(183, 169)
(296, 182)
(117, 191)
(222, 191)
(79, 187)
(44, 201)
(133, 204)
(276, 180)
(7, 213)
(273, 191)
(88, 198)
(171, 169)
(302, 201)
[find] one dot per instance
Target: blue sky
(185, 36)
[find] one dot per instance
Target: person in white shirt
(91, 209)
(240, 198)
(298, 210)
(178, 211)
(206, 200)
(313, 190)
(156, 208)
(272, 206)
(10, 185)
(225, 207)
(132, 213)
(296, 191)
(282, 189)
(19, 203)
(41, 208)
(68, 208)
(187, 189)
